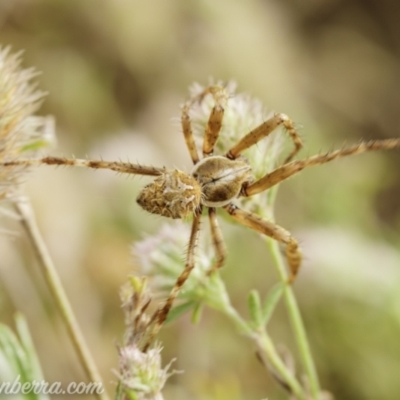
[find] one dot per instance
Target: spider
(214, 182)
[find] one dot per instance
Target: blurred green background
(116, 72)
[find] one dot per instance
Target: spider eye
(173, 194)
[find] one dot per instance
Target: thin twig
(28, 221)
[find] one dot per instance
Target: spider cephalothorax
(213, 182)
(221, 179)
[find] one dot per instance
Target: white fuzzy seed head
(142, 373)
(21, 132)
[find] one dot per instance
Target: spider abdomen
(173, 194)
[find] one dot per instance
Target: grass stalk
(28, 221)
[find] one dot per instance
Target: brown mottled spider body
(215, 181)
(173, 194)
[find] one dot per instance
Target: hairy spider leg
(161, 314)
(265, 129)
(272, 230)
(188, 133)
(217, 241)
(122, 167)
(291, 168)
(214, 123)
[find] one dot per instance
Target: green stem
(265, 345)
(293, 308)
(276, 361)
(296, 321)
(50, 274)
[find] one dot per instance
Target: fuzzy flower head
(242, 114)
(141, 374)
(162, 257)
(21, 133)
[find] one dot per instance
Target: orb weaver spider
(214, 182)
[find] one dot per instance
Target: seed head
(161, 257)
(21, 132)
(142, 373)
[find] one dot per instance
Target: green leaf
(36, 145)
(19, 357)
(27, 343)
(271, 302)
(131, 394)
(12, 351)
(177, 311)
(196, 313)
(254, 304)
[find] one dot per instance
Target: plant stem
(25, 211)
(292, 306)
(265, 345)
(273, 357)
(296, 321)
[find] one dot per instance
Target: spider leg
(122, 167)
(161, 314)
(253, 221)
(188, 133)
(214, 123)
(263, 131)
(289, 169)
(217, 240)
